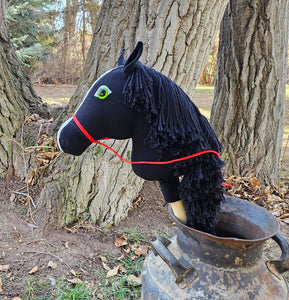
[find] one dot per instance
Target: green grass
(205, 89)
(76, 292)
(206, 113)
(41, 289)
(133, 236)
(57, 101)
(119, 287)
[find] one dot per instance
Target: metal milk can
(228, 265)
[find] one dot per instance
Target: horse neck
(141, 150)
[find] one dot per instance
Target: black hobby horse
(135, 101)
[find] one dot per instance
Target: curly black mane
(178, 129)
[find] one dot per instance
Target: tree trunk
(177, 38)
(248, 108)
(17, 98)
(70, 14)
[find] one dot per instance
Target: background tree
(27, 31)
(248, 108)
(178, 36)
(17, 97)
(52, 37)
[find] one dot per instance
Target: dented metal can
(228, 265)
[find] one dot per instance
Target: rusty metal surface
(227, 267)
(244, 227)
(247, 221)
(254, 283)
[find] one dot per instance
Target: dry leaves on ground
(127, 250)
(4, 268)
(273, 198)
(33, 271)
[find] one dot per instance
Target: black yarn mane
(177, 129)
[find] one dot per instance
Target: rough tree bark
(17, 98)
(178, 36)
(248, 107)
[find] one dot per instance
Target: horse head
(102, 112)
(135, 101)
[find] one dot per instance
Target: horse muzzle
(70, 139)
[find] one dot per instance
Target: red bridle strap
(139, 162)
(142, 162)
(83, 129)
(145, 162)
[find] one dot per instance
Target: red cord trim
(83, 129)
(158, 162)
(91, 139)
(139, 162)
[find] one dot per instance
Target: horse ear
(133, 58)
(120, 61)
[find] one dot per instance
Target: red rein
(91, 139)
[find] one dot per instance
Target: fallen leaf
(75, 281)
(274, 198)
(121, 257)
(73, 231)
(12, 197)
(33, 271)
(1, 285)
(134, 247)
(16, 298)
(50, 155)
(102, 258)
(254, 182)
(142, 250)
(68, 245)
(286, 220)
(285, 216)
(133, 280)
(52, 264)
(106, 267)
(103, 261)
(99, 296)
(113, 272)
(4, 268)
(120, 241)
(73, 272)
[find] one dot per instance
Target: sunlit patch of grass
(205, 89)
(206, 113)
(57, 101)
(79, 291)
(41, 289)
(120, 286)
(133, 236)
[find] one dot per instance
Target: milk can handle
(282, 264)
(159, 247)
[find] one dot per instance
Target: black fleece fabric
(164, 124)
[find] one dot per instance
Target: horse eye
(102, 92)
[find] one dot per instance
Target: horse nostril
(63, 142)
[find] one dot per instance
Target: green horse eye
(102, 92)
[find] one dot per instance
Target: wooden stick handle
(179, 211)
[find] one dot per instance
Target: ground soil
(24, 245)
